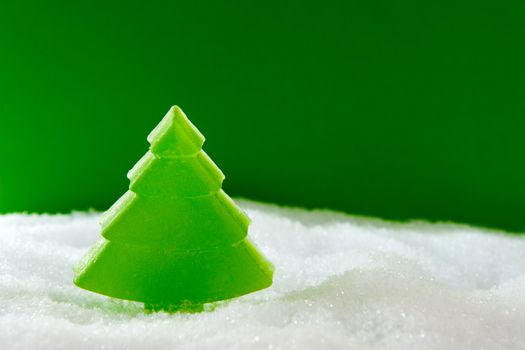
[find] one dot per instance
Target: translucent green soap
(175, 240)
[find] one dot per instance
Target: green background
(398, 109)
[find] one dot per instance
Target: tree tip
(175, 135)
(176, 112)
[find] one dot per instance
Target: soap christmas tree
(175, 240)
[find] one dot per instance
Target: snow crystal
(340, 282)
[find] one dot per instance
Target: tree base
(187, 307)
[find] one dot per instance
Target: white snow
(340, 282)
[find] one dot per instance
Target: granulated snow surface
(340, 282)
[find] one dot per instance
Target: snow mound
(340, 282)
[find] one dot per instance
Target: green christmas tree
(175, 240)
